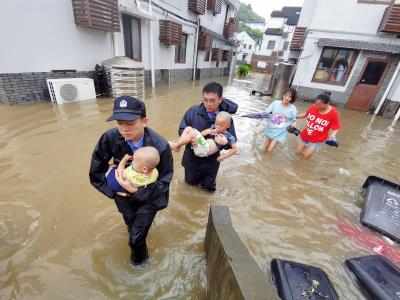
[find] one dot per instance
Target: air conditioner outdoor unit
(71, 89)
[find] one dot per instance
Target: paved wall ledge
(231, 271)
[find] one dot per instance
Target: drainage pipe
(392, 80)
(153, 76)
(196, 49)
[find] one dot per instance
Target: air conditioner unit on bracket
(71, 89)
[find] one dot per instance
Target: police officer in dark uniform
(202, 171)
(138, 209)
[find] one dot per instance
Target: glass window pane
(335, 65)
(136, 45)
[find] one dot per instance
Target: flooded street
(61, 239)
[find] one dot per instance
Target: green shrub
(244, 70)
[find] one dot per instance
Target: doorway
(367, 88)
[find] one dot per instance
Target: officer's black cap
(127, 108)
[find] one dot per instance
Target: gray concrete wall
(232, 274)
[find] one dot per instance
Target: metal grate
(170, 32)
(391, 19)
(198, 6)
(204, 41)
(215, 6)
(230, 28)
(97, 14)
(298, 38)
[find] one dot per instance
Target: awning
(360, 45)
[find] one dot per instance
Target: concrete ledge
(231, 271)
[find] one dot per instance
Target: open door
(365, 91)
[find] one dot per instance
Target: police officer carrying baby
(139, 206)
(202, 171)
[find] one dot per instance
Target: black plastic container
(381, 210)
(377, 275)
(296, 281)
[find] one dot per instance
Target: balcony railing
(391, 19)
(230, 28)
(170, 32)
(97, 14)
(198, 6)
(298, 38)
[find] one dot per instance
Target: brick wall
(31, 87)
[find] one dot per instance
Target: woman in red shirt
(323, 123)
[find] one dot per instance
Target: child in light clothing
(283, 114)
(211, 140)
(140, 173)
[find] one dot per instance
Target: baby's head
(145, 159)
(223, 121)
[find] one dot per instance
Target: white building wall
(41, 35)
(203, 64)
(215, 23)
(311, 54)
(307, 12)
(347, 16)
(245, 40)
(276, 22)
(256, 26)
(264, 46)
(48, 38)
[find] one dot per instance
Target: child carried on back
(211, 140)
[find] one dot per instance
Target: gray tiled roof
(360, 45)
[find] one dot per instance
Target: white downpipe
(153, 76)
(392, 80)
(396, 118)
(196, 46)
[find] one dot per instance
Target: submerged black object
(379, 277)
(293, 130)
(296, 281)
(332, 143)
(381, 210)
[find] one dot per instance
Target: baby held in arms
(211, 140)
(140, 173)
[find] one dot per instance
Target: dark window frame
(286, 45)
(273, 43)
(181, 50)
(207, 57)
(347, 73)
(127, 36)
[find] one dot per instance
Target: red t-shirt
(318, 125)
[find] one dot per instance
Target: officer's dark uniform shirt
(205, 167)
(113, 146)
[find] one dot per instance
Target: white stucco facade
(246, 47)
(43, 37)
(256, 25)
(48, 38)
(358, 22)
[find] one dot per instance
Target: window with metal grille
(271, 45)
(180, 50)
(132, 37)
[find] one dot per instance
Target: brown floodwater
(61, 239)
